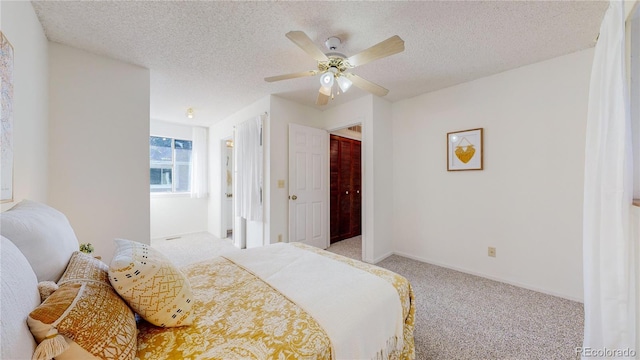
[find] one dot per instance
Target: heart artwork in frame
(464, 150)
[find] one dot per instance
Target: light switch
(281, 184)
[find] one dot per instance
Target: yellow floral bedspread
(238, 316)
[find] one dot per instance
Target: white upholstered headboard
(18, 296)
(37, 243)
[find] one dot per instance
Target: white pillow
(44, 236)
(151, 285)
(19, 296)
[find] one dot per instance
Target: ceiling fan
(333, 66)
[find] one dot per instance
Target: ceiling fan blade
(323, 99)
(291, 76)
(392, 45)
(367, 85)
(305, 43)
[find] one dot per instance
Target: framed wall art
(6, 119)
(464, 150)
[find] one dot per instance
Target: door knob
(294, 197)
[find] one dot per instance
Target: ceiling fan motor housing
(332, 43)
(340, 64)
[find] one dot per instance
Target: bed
(282, 301)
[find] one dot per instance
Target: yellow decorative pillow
(84, 320)
(151, 284)
(83, 267)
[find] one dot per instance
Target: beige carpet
(350, 247)
(462, 316)
(459, 316)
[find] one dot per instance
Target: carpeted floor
(350, 247)
(459, 316)
(462, 316)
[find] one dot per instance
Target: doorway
(227, 188)
(346, 185)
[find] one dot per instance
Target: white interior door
(308, 186)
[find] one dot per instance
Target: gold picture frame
(465, 150)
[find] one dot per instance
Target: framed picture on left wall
(6, 119)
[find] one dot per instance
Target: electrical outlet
(492, 251)
(279, 237)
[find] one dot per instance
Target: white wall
(175, 214)
(634, 215)
(99, 146)
(382, 163)
(169, 129)
(527, 202)
(31, 101)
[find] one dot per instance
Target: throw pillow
(151, 284)
(84, 320)
(85, 267)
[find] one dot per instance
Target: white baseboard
(467, 271)
(179, 235)
(375, 261)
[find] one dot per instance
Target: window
(170, 161)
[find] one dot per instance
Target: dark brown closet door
(356, 185)
(345, 188)
(334, 157)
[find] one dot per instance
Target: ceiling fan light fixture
(326, 80)
(344, 83)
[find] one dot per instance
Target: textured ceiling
(213, 56)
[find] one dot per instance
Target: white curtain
(248, 146)
(609, 272)
(199, 164)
